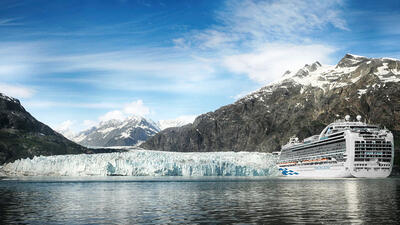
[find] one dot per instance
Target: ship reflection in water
(122, 200)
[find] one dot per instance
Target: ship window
(328, 131)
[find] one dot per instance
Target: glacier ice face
(147, 163)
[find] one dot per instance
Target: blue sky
(75, 63)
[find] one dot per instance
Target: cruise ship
(344, 148)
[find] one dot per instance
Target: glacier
(146, 163)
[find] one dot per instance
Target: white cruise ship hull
(323, 171)
(347, 154)
(331, 171)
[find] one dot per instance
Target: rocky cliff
(301, 103)
(22, 136)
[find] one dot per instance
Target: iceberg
(147, 163)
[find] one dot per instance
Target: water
(137, 200)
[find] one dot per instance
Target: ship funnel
(347, 117)
(358, 118)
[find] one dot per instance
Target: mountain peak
(348, 71)
(308, 68)
(301, 103)
(10, 99)
(313, 67)
(130, 131)
(109, 122)
(350, 60)
(135, 118)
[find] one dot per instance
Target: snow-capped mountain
(328, 77)
(301, 103)
(129, 132)
(178, 122)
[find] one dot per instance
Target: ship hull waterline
(328, 171)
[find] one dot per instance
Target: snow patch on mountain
(129, 132)
(147, 163)
(177, 122)
(361, 92)
(327, 77)
(10, 99)
(119, 130)
(106, 130)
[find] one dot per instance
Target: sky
(73, 63)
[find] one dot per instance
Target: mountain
(130, 132)
(301, 103)
(22, 136)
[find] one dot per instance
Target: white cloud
(22, 61)
(181, 43)
(18, 60)
(129, 109)
(260, 39)
(66, 125)
(113, 115)
(270, 62)
(16, 91)
(242, 28)
(136, 108)
(87, 105)
(65, 129)
(70, 128)
(252, 22)
(263, 39)
(9, 22)
(157, 63)
(89, 123)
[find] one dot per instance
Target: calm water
(122, 200)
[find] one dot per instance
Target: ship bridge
(346, 124)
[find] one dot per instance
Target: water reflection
(353, 202)
(211, 200)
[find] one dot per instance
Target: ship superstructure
(343, 149)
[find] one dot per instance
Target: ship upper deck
(341, 125)
(334, 129)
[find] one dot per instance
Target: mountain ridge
(131, 138)
(128, 132)
(22, 136)
(301, 103)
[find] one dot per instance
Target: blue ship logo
(286, 172)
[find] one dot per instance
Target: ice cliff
(146, 163)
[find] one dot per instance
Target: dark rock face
(22, 136)
(300, 104)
